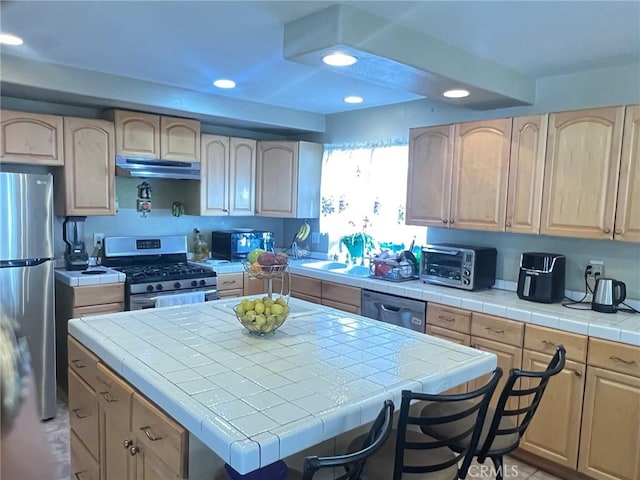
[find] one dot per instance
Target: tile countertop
(78, 279)
(619, 327)
(254, 400)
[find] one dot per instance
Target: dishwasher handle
(389, 308)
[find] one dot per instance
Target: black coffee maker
(541, 277)
(75, 256)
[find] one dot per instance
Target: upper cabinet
(87, 186)
(227, 184)
(31, 138)
(288, 179)
(627, 225)
(144, 135)
(581, 173)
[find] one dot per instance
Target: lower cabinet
(455, 337)
(83, 464)
(230, 285)
(342, 297)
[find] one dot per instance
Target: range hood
(148, 168)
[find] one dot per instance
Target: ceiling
(187, 45)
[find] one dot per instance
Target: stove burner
(160, 272)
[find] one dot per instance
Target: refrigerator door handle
(30, 262)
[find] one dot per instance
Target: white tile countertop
(75, 278)
(254, 400)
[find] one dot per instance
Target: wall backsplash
(621, 259)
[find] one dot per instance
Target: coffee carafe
(607, 295)
(75, 255)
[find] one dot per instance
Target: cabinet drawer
(114, 395)
(308, 298)
(83, 465)
(545, 340)
(83, 412)
(82, 361)
(230, 281)
(614, 356)
(97, 309)
(496, 328)
(450, 318)
(306, 285)
(159, 433)
(345, 307)
(230, 293)
(98, 294)
(341, 293)
(455, 337)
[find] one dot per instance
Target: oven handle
(179, 292)
(436, 250)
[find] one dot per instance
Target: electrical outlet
(315, 237)
(98, 237)
(595, 269)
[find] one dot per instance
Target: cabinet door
(276, 179)
(508, 357)
(242, 177)
(150, 466)
(116, 459)
(480, 175)
(455, 337)
(581, 173)
(628, 208)
(137, 134)
(83, 412)
(83, 465)
(554, 432)
(89, 184)
(30, 138)
(254, 286)
(526, 171)
(214, 173)
(179, 139)
(429, 176)
(610, 437)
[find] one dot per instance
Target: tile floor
(57, 431)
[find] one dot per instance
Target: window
(363, 196)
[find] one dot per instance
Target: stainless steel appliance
(403, 312)
(156, 168)
(460, 266)
(26, 273)
(608, 294)
(75, 255)
(235, 245)
(541, 277)
(157, 266)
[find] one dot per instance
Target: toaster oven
(235, 245)
(460, 266)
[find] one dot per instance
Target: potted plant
(357, 244)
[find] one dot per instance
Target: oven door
(148, 300)
(442, 265)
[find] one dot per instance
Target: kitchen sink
(354, 271)
(338, 267)
(324, 265)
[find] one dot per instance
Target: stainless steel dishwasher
(404, 312)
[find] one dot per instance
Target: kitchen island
(254, 400)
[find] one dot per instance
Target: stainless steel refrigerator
(26, 273)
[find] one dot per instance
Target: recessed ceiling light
(8, 39)
(353, 99)
(456, 93)
(339, 59)
(224, 83)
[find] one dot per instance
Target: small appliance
(75, 255)
(459, 266)
(235, 245)
(608, 294)
(541, 277)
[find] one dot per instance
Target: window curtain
(363, 192)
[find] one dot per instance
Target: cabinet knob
(509, 224)
(127, 444)
(451, 221)
(133, 450)
(445, 221)
(577, 373)
(618, 232)
(606, 230)
(225, 210)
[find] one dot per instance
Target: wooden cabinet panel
(455, 337)
(496, 328)
(508, 357)
(88, 186)
(308, 298)
(610, 437)
(450, 318)
(627, 225)
(150, 466)
(137, 134)
(31, 138)
(526, 172)
(581, 173)
(82, 362)
(429, 176)
(341, 293)
(238, 292)
(614, 356)
(254, 286)
(345, 307)
(214, 172)
(116, 439)
(546, 340)
(83, 465)
(97, 310)
(242, 176)
(306, 285)
(115, 396)
(179, 139)
(277, 179)
(98, 294)
(230, 281)
(480, 175)
(554, 432)
(83, 413)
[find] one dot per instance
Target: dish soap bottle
(200, 247)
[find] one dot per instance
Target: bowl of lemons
(262, 315)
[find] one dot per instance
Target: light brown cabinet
(342, 297)
(581, 173)
(254, 286)
(455, 337)
(179, 139)
(227, 184)
(86, 185)
(137, 134)
(288, 179)
(627, 224)
(230, 285)
(31, 138)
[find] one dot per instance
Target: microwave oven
(460, 266)
(235, 245)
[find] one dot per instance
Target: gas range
(156, 266)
